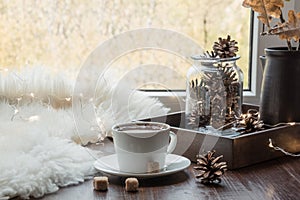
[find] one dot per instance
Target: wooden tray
(239, 151)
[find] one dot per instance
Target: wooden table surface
(275, 179)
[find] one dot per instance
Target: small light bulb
(98, 120)
(270, 143)
(33, 118)
(3, 69)
(68, 98)
(31, 94)
(292, 123)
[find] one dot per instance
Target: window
(61, 34)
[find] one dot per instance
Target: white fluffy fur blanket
(39, 142)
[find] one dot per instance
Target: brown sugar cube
(153, 167)
(100, 183)
(131, 184)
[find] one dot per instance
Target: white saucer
(109, 165)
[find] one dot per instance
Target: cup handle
(173, 142)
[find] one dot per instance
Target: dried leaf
(290, 29)
(265, 8)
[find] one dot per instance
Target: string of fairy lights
(27, 98)
(99, 127)
(271, 145)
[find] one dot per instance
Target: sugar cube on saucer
(100, 183)
(131, 184)
(153, 167)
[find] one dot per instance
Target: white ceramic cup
(142, 147)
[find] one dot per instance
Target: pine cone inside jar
(210, 169)
(225, 48)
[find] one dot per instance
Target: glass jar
(213, 93)
(205, 94)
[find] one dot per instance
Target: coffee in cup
(142, 147)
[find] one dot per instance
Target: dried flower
(267, 11)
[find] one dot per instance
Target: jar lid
(204, 59)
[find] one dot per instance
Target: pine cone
(229, 75)
(232, 87)
(250, 122)
(210, 169)
(225, 48)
